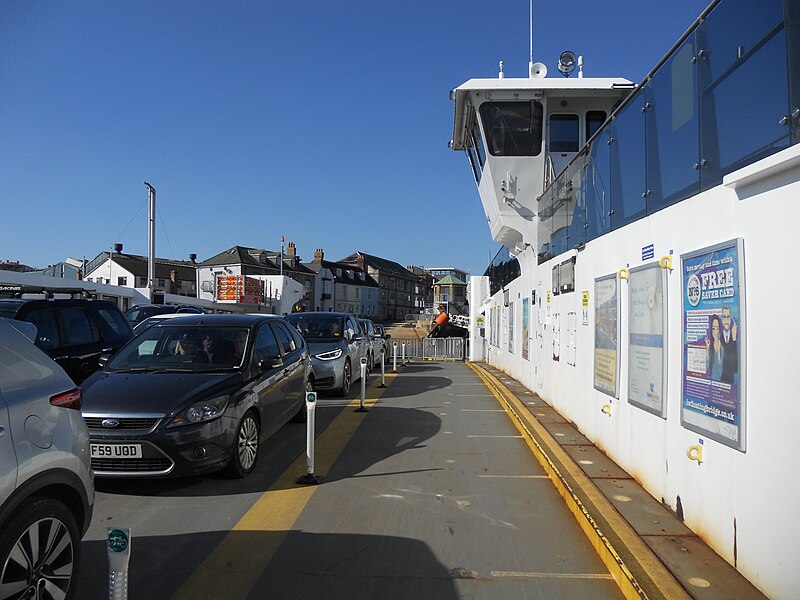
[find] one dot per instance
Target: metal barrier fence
(431, 348)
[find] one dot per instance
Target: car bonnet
(153, 393)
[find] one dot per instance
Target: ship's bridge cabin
(518, 135)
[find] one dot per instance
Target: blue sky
(326, 121)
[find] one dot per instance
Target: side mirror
(265, 364)
(387, 336)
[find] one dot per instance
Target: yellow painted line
(235, 565)
(551, 575)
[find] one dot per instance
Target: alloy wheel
(40, 565)
(248, 443)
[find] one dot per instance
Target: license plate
(116, 451)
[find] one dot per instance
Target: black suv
(73, 332)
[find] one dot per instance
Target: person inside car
(187, 347)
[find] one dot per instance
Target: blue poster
(525, 328)
(713, 335)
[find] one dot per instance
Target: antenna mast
(530, 61)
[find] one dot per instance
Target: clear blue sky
(324, 121)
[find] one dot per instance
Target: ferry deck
(457, 482)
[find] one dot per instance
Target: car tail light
(70, 399)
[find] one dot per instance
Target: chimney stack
(291, 250)
(318, 255)
(193, 257)
(118, 248)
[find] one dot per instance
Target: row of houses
(361, 284)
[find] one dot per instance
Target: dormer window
(262, 258)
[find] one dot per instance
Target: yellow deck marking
(235, 565)
(551, 575)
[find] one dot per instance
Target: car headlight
(199, 412)
(332, 355)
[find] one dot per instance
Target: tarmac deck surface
(436, 496)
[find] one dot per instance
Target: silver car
(375, 341)
(336, 345)
(46, 484)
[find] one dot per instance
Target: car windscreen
(190, 348)
(318, 328)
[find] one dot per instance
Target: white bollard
(311, 405)
(394, 357)
(363, 385)
(404, 353)
(119, 553)
(383, 368)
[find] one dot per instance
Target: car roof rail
(50, 292)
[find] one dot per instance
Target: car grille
(124, 423)
(136, 465)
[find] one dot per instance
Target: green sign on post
(117, 540)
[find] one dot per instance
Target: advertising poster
(606, 335)
(646, 356)
(712, 400)
(525, 325)
(511, 328)
(239, 288)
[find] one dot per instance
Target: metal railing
(431, 349)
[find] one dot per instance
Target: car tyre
(43, 570)
(346, 379)
(245, 450)
(301, 416)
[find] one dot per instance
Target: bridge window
(564, 133)
(513, 128)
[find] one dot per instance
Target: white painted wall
(732, 499)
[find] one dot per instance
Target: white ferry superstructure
(642, 288)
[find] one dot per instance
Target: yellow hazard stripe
(235, 565)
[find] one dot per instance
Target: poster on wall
(525, 327)
(511, 328)
(646, 339)
(713, 375)
(606, 335)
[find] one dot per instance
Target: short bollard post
(383, 368)
(363, 385)
(394, 357)
(119, 553)
(404, 353)
(309, 478)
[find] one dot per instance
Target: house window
(122, 281)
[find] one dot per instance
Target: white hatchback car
(46, 484)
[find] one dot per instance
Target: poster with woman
(646, 340)
(713, 343)
(606, 335)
